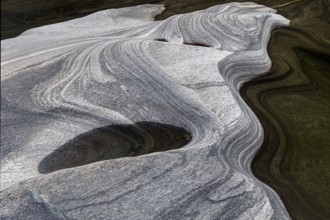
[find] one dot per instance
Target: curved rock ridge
(119, 66)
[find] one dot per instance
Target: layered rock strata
(117, 81)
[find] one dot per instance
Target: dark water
(292, 101)
(293, 104)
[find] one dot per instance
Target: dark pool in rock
(292, 101)
(115, 141)
(293, 104)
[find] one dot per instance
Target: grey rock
(119, 67)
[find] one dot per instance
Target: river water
(292, 101)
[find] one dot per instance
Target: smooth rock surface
(119, 67)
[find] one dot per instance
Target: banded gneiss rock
(65, 80)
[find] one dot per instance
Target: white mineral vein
(63, 80)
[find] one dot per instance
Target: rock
(117, 116)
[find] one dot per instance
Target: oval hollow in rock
(115, 141)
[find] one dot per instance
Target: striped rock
(118, 116)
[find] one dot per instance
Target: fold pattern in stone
(116, 68)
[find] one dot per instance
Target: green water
(292, 101)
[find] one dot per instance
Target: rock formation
(118, 116)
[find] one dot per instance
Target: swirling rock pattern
(119, 67)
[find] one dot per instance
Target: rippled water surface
(293, 103)
(292, 100)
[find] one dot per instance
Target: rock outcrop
(117, 116)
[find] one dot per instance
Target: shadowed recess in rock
(115, 141)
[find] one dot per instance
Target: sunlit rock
(84, 99)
